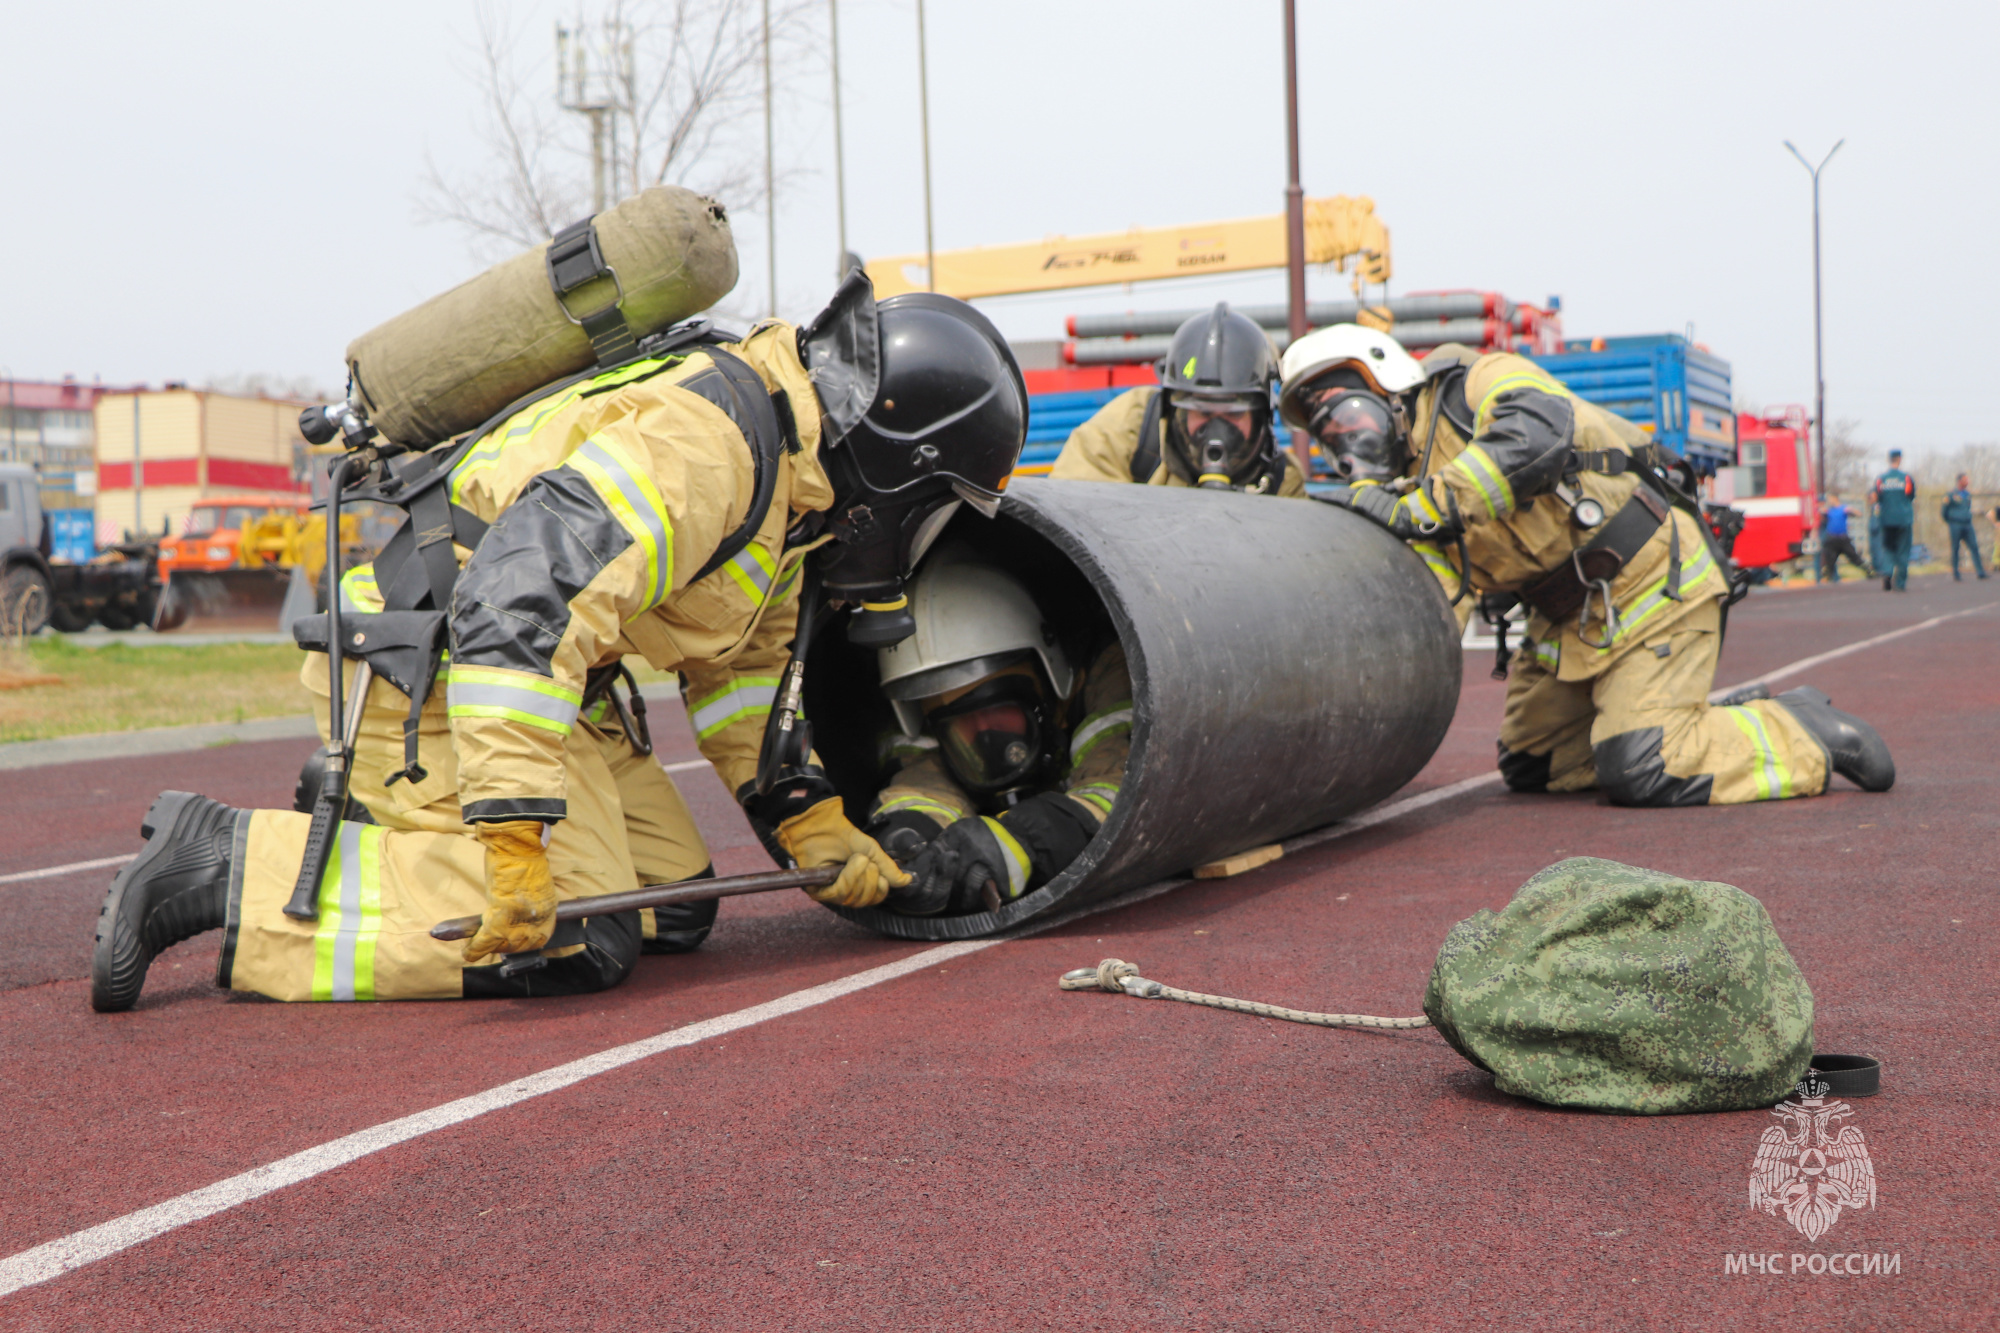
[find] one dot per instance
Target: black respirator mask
(877, 541)
(993, 739)
(1217, 455)
(1360, 431)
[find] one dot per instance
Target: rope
(1118, 976)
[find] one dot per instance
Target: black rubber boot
(1856, 750)
(1748, 694)
(176, 889)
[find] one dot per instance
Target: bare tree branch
(683, 80)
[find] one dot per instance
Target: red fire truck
(1771, 486)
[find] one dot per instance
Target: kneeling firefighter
(1009, 758)
(703, 502)
(1353, 389)
(1208, 423)
(1546, 498)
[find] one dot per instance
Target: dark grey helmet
(1220, 367)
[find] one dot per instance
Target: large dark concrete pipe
(1291, 664)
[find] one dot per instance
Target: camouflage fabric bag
(1619, 989)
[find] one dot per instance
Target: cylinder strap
(1118, 976)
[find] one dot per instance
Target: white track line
(50, 872)
(54, 1258)
(1813, 661)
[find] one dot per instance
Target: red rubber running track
(966, 1146)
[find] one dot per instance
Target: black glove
(1015, 854)
(903, 834)
(1402, 515)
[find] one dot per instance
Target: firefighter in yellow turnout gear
(1570, 508)
(1008, 761)
(598, 509)
(1346, 386)
(1208, 424)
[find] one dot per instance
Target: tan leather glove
(823, 837)
(520, 895)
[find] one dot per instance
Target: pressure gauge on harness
(1586, 513)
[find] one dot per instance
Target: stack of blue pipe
(1052, 416)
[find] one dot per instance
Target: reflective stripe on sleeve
(482, 692)
(753, 569)
(1018, 862)
(922, 805)
(1477, 466)
(350, 916)
(1096, 727)
(1774, 780)
(631, 497)
(1439, 564)
(358, 593)
(748, 696)
(1099, 796)
(1549, 655)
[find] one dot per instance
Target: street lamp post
(1819, 371)
(924, 116)
(1295, 211)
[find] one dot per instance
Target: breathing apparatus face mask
(1216, 451)
(1360, 433)
(991, 738)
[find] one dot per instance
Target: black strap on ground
(1841, 1076)
(1559, 594)
(1146, 458)
(574, 260)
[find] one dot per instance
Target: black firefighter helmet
(946, 415)
(1220, 367)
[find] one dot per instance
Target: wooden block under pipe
(1242, 861)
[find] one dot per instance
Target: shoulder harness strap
(1146, 458)
(767, 425)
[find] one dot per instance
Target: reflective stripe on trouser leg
(350, 916)
(419, 879)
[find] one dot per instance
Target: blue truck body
(1052, 416)
(1662, 383)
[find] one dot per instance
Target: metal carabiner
(1602, 588)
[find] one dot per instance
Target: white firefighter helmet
(1380, 358)
(972, 620)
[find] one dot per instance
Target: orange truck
(234, 558)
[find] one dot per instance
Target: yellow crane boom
(1338, 229)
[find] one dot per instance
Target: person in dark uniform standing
(1895, 503)
(1957, 515)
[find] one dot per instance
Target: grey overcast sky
(226, 186)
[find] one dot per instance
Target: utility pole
(770, 175)
(1819, 370)
(574, 92)
(1295, 211)
(138, 473)
(839, 151)
(924, 100)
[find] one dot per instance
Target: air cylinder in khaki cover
(455, 360)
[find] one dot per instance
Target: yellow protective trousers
(387, 883)
(1644, 732)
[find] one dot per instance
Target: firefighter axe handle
(661, 895)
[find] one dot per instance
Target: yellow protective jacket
(1101, 449)
(605, 500)
(1100, 740)
(1499, 477)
